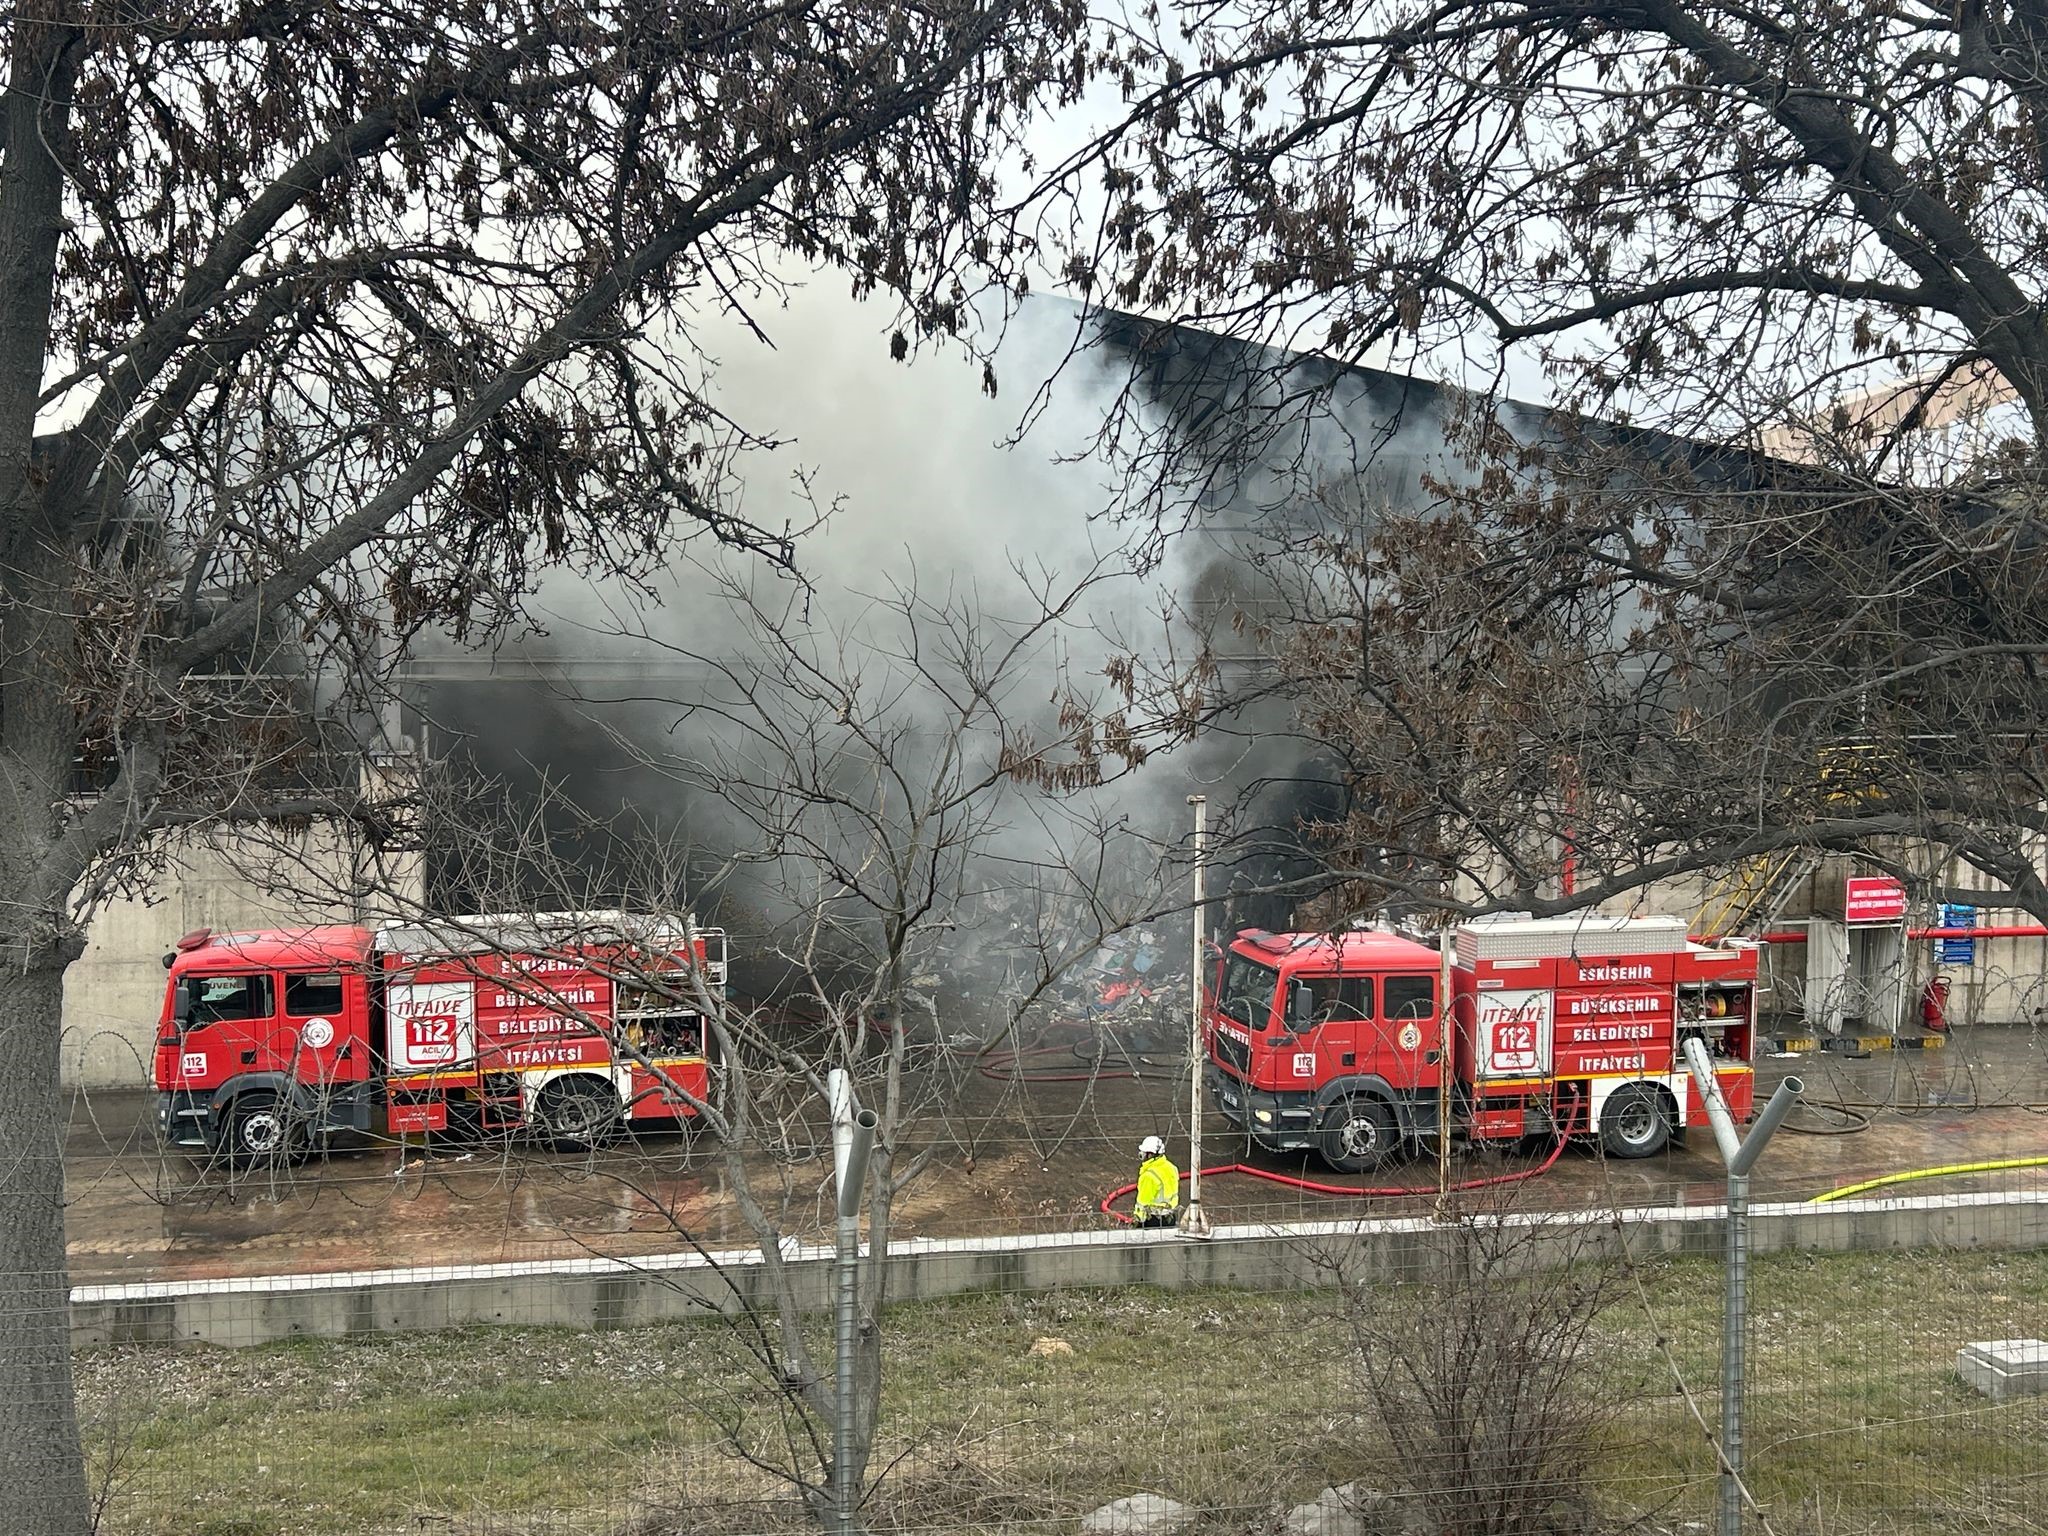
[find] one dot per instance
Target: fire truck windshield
(1247, 991)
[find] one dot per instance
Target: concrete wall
(617, 1293)
(2007, 983)
(263, 878)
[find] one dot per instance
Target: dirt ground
(1004, 1157)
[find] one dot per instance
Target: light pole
(1194, 1222)
(1446, 943)
(853, 1135)
(1740, 1156)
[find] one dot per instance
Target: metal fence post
(1193, 1221)
(1739, 1156)
(853, 1134)
(1734, 1367)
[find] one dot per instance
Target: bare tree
(323, 325)
(1490, 1386)
(877, 768)
(879, 776)
(1793, 598)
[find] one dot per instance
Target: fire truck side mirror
(182, 1005)
(1301, 1016)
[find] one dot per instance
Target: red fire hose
(1314, 1188)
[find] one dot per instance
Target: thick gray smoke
(921, 486)
(924, 483)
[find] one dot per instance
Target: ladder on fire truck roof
(476, 933)
(1754, 893)
(1517, 936)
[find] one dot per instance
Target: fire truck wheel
(1359, 1133)
(261, 1130)
(1635, 1122)
(578, 1116)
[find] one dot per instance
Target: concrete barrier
(624, 1293)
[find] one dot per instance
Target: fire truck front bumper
(1279, 1122)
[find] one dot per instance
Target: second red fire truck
(573, 1025)
(1336, 1043)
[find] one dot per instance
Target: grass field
(1236, 1402)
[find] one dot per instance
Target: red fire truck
(1334, 1043)
(570, 1024)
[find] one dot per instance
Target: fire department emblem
(1411, 1035)
(317, 1033)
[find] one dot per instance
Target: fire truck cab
(261, 1030)
(1335, 1043)
(572, 1024)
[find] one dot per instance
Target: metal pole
(839, 1094)
(1899, 965)
(1443, 1076)
(1194, 1221)
(1702, 1065)
(1740, 1155)
(853, 1135)
(1734, 1319)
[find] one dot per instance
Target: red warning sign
(1873, 899)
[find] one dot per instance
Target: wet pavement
(1003, 1156)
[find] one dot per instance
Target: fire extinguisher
(1934, 1006)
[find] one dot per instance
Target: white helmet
(1152, 1146)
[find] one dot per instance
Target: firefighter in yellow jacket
(1158, 1186)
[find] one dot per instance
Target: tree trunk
(46, 1488)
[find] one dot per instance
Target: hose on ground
(1946, 1170)
(1383, 1192)
(1857, 1120)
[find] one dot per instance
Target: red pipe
(1394, 1191)
(2006, 931)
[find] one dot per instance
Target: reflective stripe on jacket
(1158, 1186)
